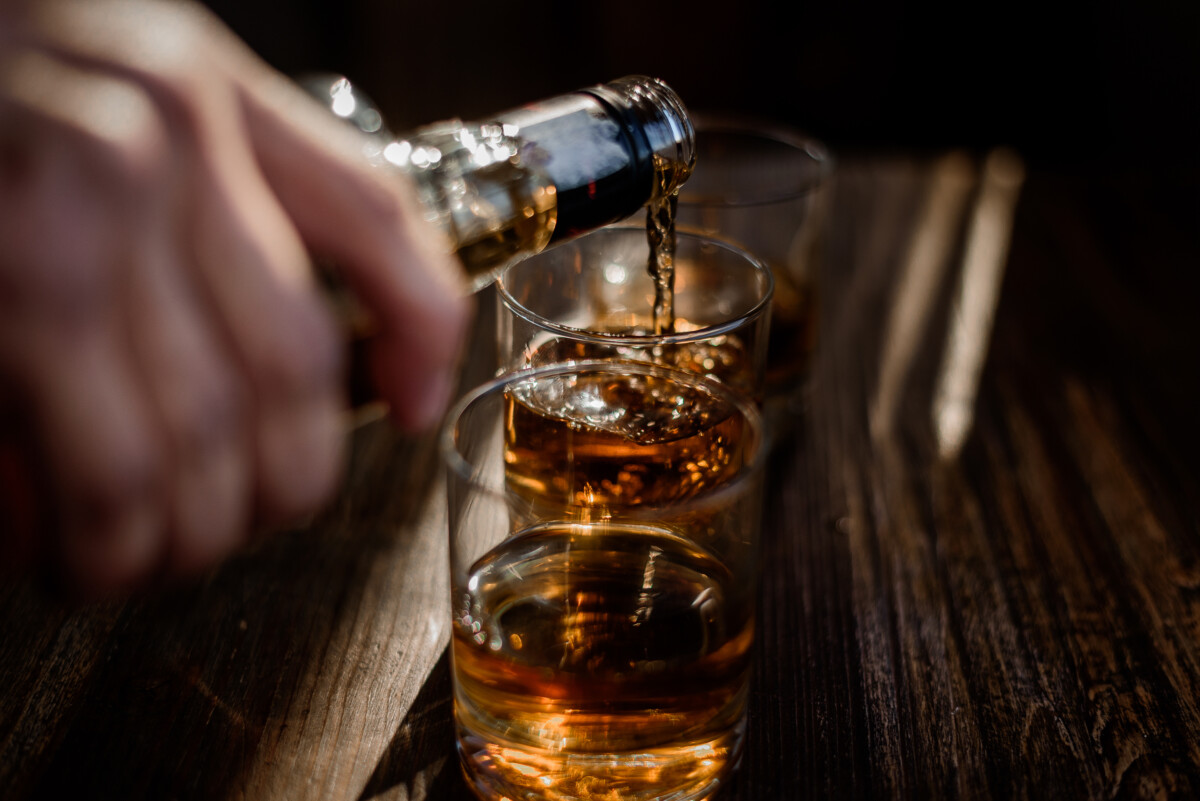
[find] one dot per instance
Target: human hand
(169, 377)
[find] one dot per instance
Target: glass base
(692, 771)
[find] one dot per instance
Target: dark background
(1097, 86)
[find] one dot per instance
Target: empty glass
(764, 187)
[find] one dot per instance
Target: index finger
(368, 220)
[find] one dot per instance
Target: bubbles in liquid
(641, 409)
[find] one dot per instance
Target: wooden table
(982, 574)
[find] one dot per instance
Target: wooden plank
(1018, 619)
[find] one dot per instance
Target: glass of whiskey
(604, 527)
(765, 187)
(594, 297)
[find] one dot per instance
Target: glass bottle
(507, 187)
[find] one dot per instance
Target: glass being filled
(592, 298)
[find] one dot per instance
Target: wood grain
(1020, 621)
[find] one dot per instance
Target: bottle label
(600, 175)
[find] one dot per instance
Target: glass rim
(678, 338)
(453, 460)
(762, 128)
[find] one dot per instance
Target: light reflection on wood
(921, 275)
(973, 308)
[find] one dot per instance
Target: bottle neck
(654, 114)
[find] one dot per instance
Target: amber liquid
(525, 227)
(601, 438)
(727, 357)
(600, 661)
(660, 234)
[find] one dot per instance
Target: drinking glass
(593, 298)
(764, 187)
(604, 524)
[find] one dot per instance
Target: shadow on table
(421, 758)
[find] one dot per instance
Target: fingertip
(212, 509)
(415, 364)
(417, 404)
(110, 557)
(301, 455)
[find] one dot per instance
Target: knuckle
(133, 160)
(88, 169)
(140, 150)
(110, 118)
(172, 63)
(168, 38)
